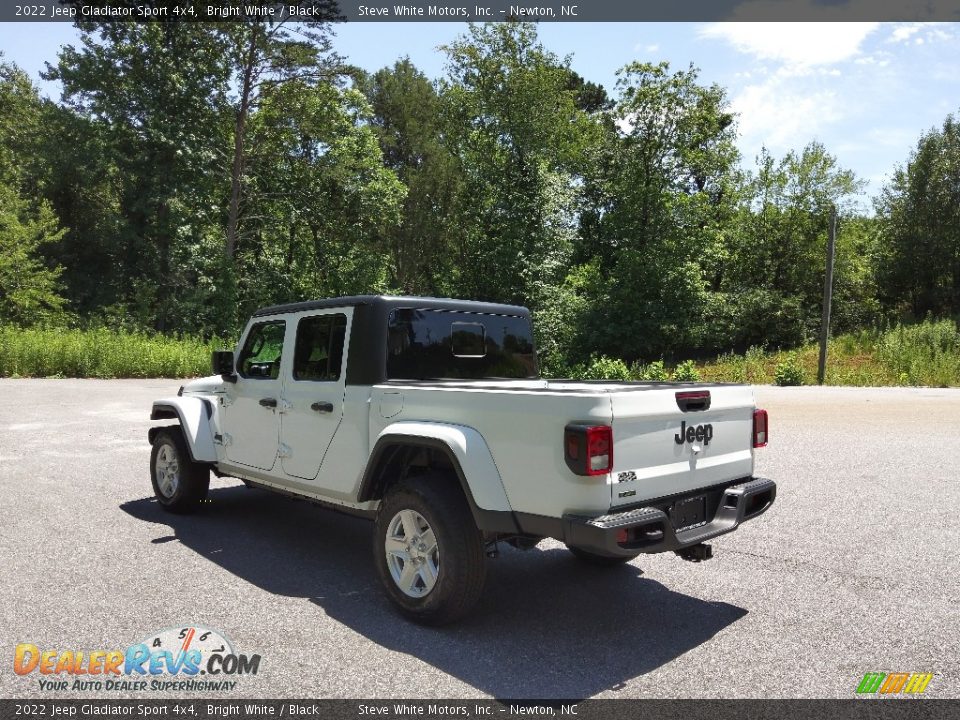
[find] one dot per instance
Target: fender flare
(470, 458)
(194, 415)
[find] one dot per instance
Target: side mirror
(223, 365)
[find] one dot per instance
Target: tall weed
(101, 353)
(924, 354)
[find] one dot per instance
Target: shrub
(654, 372)
(924, 354)
(754, 366)
(789, 372)
(657, 371)
(927, 353)
(686, 372)
(605, 368)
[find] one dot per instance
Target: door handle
(269, 402)
(322, 406)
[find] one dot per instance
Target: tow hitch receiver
(696, 553)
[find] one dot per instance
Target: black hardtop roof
(397, 301)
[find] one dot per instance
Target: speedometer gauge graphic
(177, 640)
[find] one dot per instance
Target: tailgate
(660, 449)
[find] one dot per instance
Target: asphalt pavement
(854, 569)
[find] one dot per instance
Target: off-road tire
(192, 479)
(596, 560)
(439, 501)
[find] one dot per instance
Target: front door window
(260, 357)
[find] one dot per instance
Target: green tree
(407, 121)
(163, 111)
(29, 290)
(84, 185)
(518, 137)
(919, 211)
(21, 129)
(29, 286)
(156, 93)
(324, 198)
(265, 55)
(588, 96)
(778, 252)
(662, 191)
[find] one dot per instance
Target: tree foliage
(518, 137)
(29, 286)
(194, 171)
(406, 117)
(233, 166)
(151, 96)
(29, 290)
(919, 211)
(662, 190)
(778, 252)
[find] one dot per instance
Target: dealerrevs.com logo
(189, 657)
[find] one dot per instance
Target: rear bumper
(649, 529)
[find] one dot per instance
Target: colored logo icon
(894, 683)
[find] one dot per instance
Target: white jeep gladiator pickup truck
(428, 416)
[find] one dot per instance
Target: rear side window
(319, 352)
(442, 344)
(260, 357)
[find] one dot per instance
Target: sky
(867, 91)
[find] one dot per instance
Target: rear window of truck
(445, 344)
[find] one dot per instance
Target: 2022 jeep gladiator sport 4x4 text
(428, 416)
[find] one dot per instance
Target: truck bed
(525, 433)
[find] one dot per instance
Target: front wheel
(428, 551)
(596, 560)
(179, 483)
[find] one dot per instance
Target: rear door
(313, 395)
(668, 440)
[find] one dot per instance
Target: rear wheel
(592, 558)
(179, 483)
(428, 551)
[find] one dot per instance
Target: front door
(251, 406)
(314, 391)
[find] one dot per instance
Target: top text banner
(483, 11)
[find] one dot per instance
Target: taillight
(588, 449)
(760, 434)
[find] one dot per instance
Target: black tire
(461, 560)
(192, 479)
(600, 560)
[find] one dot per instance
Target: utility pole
(827, 296)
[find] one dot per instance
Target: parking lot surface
(853, 570)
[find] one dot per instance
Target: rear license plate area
(689, 512)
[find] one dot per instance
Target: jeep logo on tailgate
(694, 433)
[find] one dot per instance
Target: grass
(926, 354)
(100, 353)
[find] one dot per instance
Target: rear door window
(319, 348)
